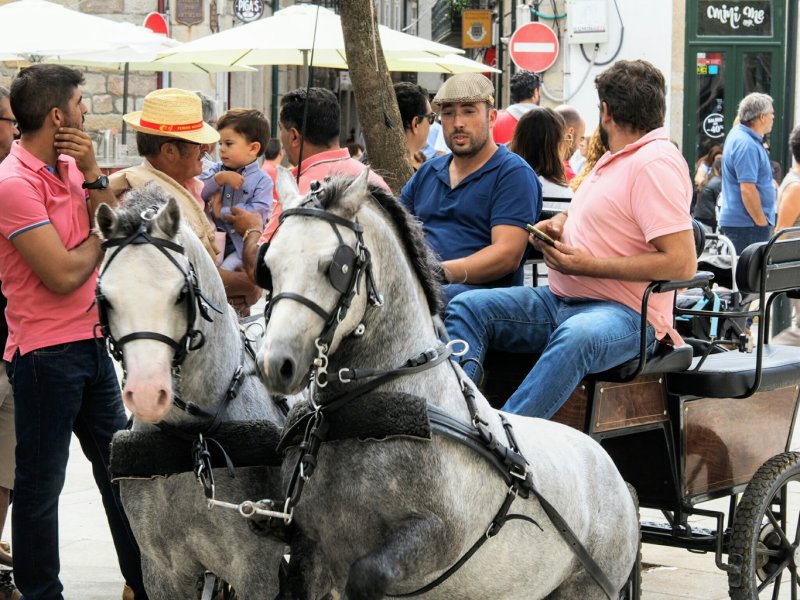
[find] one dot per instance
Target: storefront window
(734, 18)
(710, 100)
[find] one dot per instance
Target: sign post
(534, 47)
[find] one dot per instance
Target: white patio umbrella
(452, 63)
(36, 30)
(287, 38)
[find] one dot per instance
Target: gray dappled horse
(380, 518)
(148, 286)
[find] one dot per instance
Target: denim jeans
(574, 336)
(742, 237)
(59, 390)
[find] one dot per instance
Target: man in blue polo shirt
(475, 202)
(748, 192)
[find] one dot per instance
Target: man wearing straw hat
(63, 380)
(173, 139)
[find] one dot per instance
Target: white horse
(157, 295)
(382, 518)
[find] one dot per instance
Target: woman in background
(595, 150)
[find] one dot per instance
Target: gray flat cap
(464, 88)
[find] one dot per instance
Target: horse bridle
(344, 274)
(191, 296)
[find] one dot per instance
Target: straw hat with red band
(173, 113)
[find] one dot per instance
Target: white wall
(647, 36)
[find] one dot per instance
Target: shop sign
(734, 18)
(713, 125)
(189, 12)
(247, 11)
(477, 29)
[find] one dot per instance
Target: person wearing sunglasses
(415, 110)
(8, 124)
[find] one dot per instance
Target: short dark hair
(522, 85)
(412, 99)
(38, 89)
(322, 124)
(537, 138)
(272, 149)
(250, 123)
(635, 93)
(148, 144)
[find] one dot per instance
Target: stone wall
(103, 89)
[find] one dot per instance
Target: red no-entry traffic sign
(534, 47)
(157, 23)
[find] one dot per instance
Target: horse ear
(168, 219)
(355, 193)
(287, 188)
(106, 220)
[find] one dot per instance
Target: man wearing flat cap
(475, 202)
(173, 139)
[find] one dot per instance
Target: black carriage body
(684, 436)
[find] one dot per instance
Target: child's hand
(216, 204)
(230, 178)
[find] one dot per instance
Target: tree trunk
(377, 105)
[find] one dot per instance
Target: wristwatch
(100, 184)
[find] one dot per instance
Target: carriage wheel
(766, 533)
(633, 587)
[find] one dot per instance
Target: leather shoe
(127, 593)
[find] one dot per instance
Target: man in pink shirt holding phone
(627, 226)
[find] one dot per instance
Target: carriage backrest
(776, 263)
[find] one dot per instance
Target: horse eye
(324, 265)
(182, 296)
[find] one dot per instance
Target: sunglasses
(12, 121)
(430, 116)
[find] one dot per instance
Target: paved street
(90, 572)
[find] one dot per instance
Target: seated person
(540, 138)
(415, 111)
(628, 226)
(237, 180)
(475, 202)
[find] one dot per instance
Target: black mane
(422, 259)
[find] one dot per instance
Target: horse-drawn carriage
(697, 423)
(444, 497)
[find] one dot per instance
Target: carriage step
(698, 539)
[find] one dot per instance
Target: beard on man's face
(603, 135)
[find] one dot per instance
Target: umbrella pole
(125, 103)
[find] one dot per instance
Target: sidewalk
(89, 567)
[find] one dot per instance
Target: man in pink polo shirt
(627, 226)
(321, 157)
(63, 380)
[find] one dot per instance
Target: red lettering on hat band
(173, 128)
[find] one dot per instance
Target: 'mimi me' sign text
(734, 18)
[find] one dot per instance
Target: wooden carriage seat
(762, 268)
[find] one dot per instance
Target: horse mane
(136, 201)
(424, 263)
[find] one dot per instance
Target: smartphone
(539, 234)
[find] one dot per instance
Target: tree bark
(375, 100)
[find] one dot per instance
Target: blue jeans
(742, 237)
(59, 390)
(574, 336)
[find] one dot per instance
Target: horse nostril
(287, 369)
